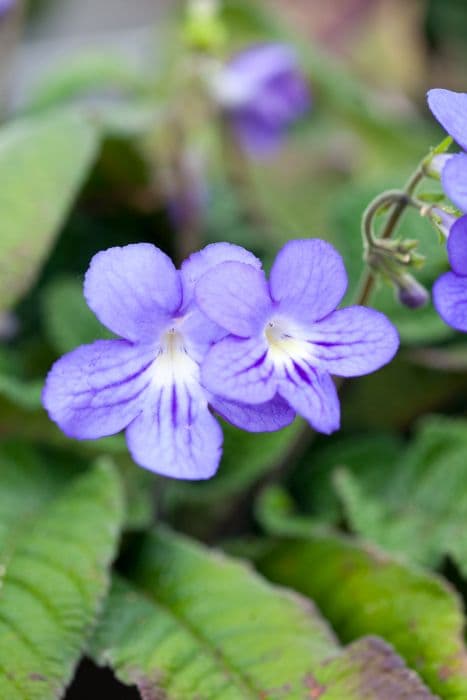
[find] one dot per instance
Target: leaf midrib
(216, 653)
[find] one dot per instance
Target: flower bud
(442, 220)
(437, 164)
(204, 29)
(411, 293)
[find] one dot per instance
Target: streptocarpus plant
(212, 334)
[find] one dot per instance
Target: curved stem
(399, 197)
(406, 198)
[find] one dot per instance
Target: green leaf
(361, 591)
(86, 73)
(66, 317)
(55, 560)
(192, 621)
(420, 507)
(368, 455)
(43, 162)
(189, 622)
(275, 511)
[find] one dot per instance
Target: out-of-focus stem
(238, 174)
(188, 222)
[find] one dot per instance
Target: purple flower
(450, 290)
(148, 382)
(5, 6)
(450, 109)
(286, 337)
(262, 91)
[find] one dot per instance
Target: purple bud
(411, 293)
(263, 91)
(443, 220)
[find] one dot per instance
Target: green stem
(405, 198)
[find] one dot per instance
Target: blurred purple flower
(148, 382)
(263, 92)
(450, 290)
(450, 109)
(5, 6)
(286, 338)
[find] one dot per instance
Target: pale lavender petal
(457, 246)
(450, 300)
(240, 370)
(262, 62)
(353, 341)
(199, 332)
(450, 109)
(97, 390)
(194, 267)
(235, 296)
(260, 418)
(308, 279)
(454, 180)
(176, 435)
(133, 291)
(313, 395)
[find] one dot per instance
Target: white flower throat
(283, 346)
(173, 363)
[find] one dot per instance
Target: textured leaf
(419, 508)
(43, 162)
(361, 592)
(193, 624)
(57, 546)
(368, 670)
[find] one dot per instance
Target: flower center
(173, 363)
(172, 343)
(282, 344)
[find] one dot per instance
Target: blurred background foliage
(370, 523)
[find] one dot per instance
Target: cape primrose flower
(148, 381)
(262, 91)
(450, 109)
(450, 290)
(286, 337)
